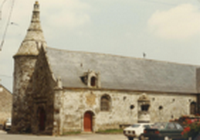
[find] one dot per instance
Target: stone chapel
(58, 91)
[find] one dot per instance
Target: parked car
(7, 125)
(135, 130)
(164, 131)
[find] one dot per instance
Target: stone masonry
(5, 103)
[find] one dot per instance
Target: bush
(192, 128)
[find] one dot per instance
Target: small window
(105, 103)
(160, 108)
(93, 81)
(132, 106)
(145, 107)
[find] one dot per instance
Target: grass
(72, 133)
(108, 131)
(111, 131)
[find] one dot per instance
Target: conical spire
(34, 38)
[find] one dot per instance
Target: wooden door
(42, 118)
(88, 122)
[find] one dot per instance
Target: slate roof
(122, 73)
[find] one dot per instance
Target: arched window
(93, 81)
(105, 103)
(193, 108)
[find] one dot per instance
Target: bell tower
(24, 64)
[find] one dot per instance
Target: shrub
(192, 128)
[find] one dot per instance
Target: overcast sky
(166, 30)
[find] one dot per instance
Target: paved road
(5, 136)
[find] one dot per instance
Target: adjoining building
(58, 91)
(5, 105)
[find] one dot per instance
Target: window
(193, 108)
(93, 81)
(146, 126)
(178, 126)
(160, 108)
(171, 126)
(135, 125)
(132, 106)
(145, 107)
(105, 103)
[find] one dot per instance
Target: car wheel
(141, 137)
(130, 138)
(167, 138)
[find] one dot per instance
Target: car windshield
(135, 125)
(178, 126)
(147, 126)
(159, 125)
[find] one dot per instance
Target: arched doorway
(88, 121)
(41, 118)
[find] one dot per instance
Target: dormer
(91, 79)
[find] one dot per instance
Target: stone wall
(33, 91)
(23, 70)
(5, 103)
(76, 102)
(42, 96)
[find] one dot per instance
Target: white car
(8, 124)
(135, 130)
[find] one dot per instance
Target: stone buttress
(24, 64)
